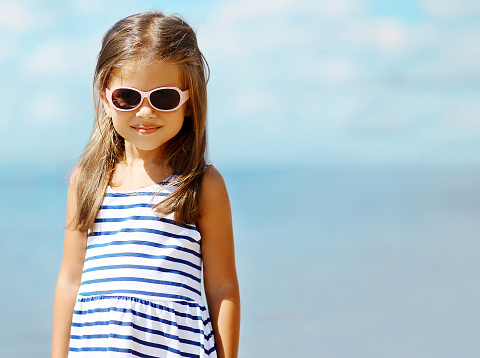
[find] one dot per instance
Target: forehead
(146, 75)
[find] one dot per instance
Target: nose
(145, 110)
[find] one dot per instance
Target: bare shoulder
(215, 203)
(213, 177)
(214, 190)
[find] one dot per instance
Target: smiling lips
(146, 129)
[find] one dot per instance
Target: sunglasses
(165, 99)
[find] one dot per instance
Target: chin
(147, 147)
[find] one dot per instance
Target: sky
(294, 83)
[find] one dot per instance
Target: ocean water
(332, 262)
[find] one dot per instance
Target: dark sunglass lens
(125, 98)
(165, 99)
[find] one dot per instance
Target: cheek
(179, 124)
(120, 123)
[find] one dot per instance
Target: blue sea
(370, 262)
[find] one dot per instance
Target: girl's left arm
(220, 275)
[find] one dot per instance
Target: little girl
(144, 211)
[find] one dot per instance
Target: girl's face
(146, 128)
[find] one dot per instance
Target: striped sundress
(140, 293)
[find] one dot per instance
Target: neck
(141, 166)
(135, 156)
(152, 161)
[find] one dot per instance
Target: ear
(106, 105)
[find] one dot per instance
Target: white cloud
(251, 100)
(450, 57)
(14, 16)
(339, 70)
(60, 56)
(238, 9)
(390, 35)
(460, 122)
(46, 109)
(24, 17)
(52, 57)
(7, 47)
(383, 35)
(464, 48)
(452, 8)
(89, 6)
(243, 28)
(332, 70)
(339, 8)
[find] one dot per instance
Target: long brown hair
(147, 36)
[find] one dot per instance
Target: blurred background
(348, 132)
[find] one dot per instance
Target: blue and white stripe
(141, 284)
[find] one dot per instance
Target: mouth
(142, 129)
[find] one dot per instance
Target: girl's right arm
(69, 278)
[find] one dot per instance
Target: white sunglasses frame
(184, 96)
